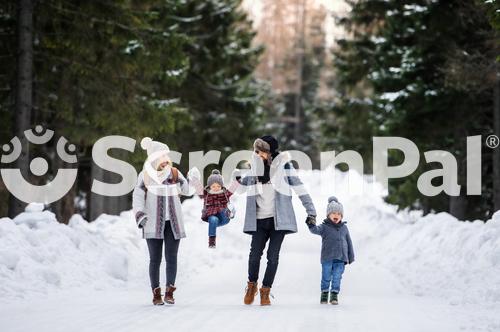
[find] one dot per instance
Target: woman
(269, 215)
(157, 209)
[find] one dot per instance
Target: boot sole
(250, 303)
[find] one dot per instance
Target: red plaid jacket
(215, 203)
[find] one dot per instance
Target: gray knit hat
(334, 206)
(215, 177)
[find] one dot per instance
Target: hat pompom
(215, 171)
(333, 199)
(146, 142)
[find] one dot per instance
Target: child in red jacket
(217, 209)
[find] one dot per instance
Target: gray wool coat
(147, 204)
(284, 217)
(336, 241)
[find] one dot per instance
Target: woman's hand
(194, 173)
(143, 222)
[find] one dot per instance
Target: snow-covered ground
(411, 274)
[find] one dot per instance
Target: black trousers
(265, 232)
(155, 247)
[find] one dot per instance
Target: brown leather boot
(250, 293)
(264, 296)
(169, 294)
(211, 242)
(157, 296)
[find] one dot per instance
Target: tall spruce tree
(175, 70)
(394, 78)
(219, 88)
(101, 69)
(8, 53)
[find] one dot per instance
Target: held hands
(236, 174)
(311, 220)
(194, 173)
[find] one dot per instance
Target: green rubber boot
(324, 298)
(334, 298)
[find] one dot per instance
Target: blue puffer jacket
(336, 241)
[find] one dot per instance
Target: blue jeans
(217, 220)
(331, 274)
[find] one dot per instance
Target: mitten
(311, 220)
(194, 173)
(143, 222)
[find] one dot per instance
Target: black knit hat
(266, 143)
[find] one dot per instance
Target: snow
(412, 273)
(411, 9)
(392, 96)
(378, 39)
(35, 207)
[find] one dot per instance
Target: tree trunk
(301, 25)
(24, 87)
(64, 208)
(458, 204)
(99, 204)
(496, 151)
(95, 202)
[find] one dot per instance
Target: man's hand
(236, 174)
(311, 220)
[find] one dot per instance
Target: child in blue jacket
(336, 249)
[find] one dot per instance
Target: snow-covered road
(211, 300)
(410, 274)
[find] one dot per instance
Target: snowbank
(38, 254)
(435, 255)
(438, 255)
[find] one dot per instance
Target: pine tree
(100, 69)
(219, 90)
(394, 72)
(7, 74)
(174, 70)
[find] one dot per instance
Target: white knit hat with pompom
(153, 146)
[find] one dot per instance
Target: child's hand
(194, 173)
(311, 220)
